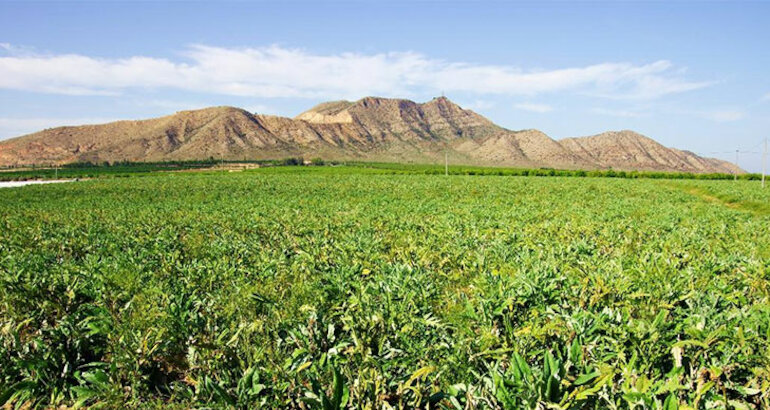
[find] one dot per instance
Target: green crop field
(360, 288)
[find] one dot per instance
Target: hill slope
(371, 128)
(630, 150)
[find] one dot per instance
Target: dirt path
(14, 184)
(757, 208)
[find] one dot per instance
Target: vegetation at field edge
(127, 169)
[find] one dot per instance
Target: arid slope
(630, 150)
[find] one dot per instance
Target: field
(323, 287)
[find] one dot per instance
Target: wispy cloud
(478, 105)
(275, 71)
(539, 108)
(765, 97)
(173, 104)
(261, 109)
(12, 127)
(616, 113)
(724, 115)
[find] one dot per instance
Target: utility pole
(764, 163)
(56, 172)
(735, 176)
(446, 163)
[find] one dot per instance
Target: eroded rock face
(334, 112)
(371, 128)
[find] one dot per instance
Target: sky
(692, 75)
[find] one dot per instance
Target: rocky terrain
(374, 129)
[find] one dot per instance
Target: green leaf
(747, 391)
(671, 403)
(337, 396)
(97, 377)
(585, 378)
(83, 394)
(576, 352)
(12, 391)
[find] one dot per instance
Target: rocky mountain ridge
(370, 129)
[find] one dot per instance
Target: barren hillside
(630, 150)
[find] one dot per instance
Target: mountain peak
(622, 134)
(443, 103)
(380, 110)
(219, 109)
(442, 100)
(342, 111)
(371, 100)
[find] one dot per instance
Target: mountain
(630, 150)
(372, 128)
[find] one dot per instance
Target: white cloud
(14, 127)
(173, 104)
(539, 108)
(765, 97)
(478, 105)
(283, 72)
(616, 113)
(725, 115)
(261, 109)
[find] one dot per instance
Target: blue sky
(692, 75)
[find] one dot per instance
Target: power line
(744, 150)
(760, 143)
(729, 152)
(749, 150)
